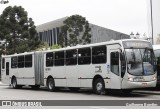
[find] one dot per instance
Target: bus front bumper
(130, 84)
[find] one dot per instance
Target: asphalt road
(26, 93)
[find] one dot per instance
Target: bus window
(14, 62)
(115, 62)
(59, 58)
(28, 60)
(84, 56)
(49, 59)
(99, 54)
(7, 68)
(20, 61)
(71, 57)
(3, 63)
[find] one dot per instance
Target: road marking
(94, 107)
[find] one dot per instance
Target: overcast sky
(120, 15)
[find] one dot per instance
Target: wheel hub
(14, 83)
(50, 85)
(99, 86)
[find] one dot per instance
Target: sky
(125, 16)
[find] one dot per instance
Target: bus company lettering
(98, 69)
(141, 104)
(47, 69)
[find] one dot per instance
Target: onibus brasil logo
(4, 1)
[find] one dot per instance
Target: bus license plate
(144, 84)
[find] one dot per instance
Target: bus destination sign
(136, 44)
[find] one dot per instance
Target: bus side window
(49, 59)
(14, 62)
(84, 56)
(71, 57)
(59, 58)
(115, 62)
(28, 60)
(99, 54)
(20, 61)
(3, 63)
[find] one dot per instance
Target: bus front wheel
(98, 86)
(14, 83)
(51, 84)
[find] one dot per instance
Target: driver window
(115, 62)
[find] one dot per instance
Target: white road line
(95, 107)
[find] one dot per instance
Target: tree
(75, 31)
(18, 30)
(44, 46)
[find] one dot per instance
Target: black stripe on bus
(24, 77)
(57, 78)
(92, 78)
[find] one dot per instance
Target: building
(48, 32)
(153, 7)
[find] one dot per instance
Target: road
(26, 93)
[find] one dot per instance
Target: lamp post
(137, 35)
(132, 35)
(6, 44)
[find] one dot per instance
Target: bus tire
(98, 86)
(14, 83)
(51, 85)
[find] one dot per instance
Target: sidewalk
(1, 84)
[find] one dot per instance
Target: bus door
(115, 69)
(5, 71)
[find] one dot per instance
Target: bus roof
(78, 46)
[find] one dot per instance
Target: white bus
(121, 64)
(156, 49)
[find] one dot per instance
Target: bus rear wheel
(51, 84)
(14, 83)
(98, 86)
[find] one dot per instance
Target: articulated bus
(122, 65)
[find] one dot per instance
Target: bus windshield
(140, 61)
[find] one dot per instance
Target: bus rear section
(23, 69)
(5, 70)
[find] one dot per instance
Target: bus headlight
(154, 78)
(130, 79)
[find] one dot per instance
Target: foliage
(44, 46)
(75, 31)
(18, 30)
(55, 47)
